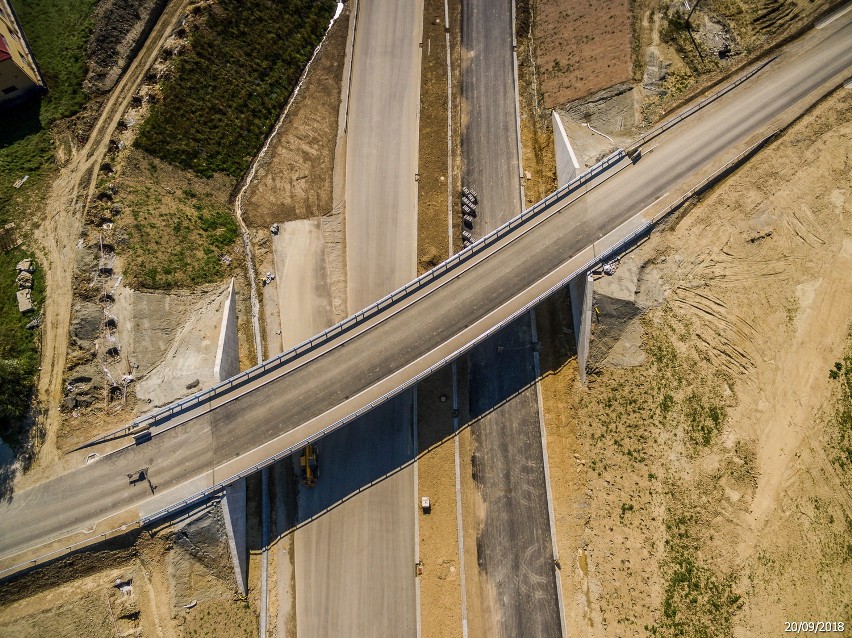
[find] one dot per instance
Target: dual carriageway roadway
(273, 412)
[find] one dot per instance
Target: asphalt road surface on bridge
(276, 411)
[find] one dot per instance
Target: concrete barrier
(580, 291)
(567, 166)
(228, 355)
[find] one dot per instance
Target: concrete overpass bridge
(203, 443)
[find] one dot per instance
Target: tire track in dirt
(56, 239)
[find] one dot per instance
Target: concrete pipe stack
(468, 209)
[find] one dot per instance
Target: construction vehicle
(310, 468)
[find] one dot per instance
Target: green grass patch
(697, 601)
(18, 354)
(57, 31)
(174, 238)
(25, 149)
(230, 86)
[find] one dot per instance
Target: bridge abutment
(228, 354)
(580, 291)
(234, 511)
(234, 502)
(580, 288)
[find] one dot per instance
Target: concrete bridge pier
(580, 288)
(580, 292)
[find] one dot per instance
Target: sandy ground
(713, 453)
(175, 581)
(582, 47)
(191, 353)
(304, 296)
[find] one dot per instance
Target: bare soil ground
(675, 63)
(700, 490)
(623, 66)
(70, 194)
(438, 236)
(582, 47)
(174, 582)
(432, 215)
(295, 180)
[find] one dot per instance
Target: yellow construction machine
(308, 461)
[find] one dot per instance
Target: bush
(229, 87)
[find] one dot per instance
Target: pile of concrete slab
(24, 281)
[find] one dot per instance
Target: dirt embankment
(174, 581)
(120, 29)
(294, 181)
(620, 67)
(697, 487)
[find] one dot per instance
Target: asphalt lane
(302, 397)
(381, 149)
(343, 556)
(508, 470)
(355, 563)
(520, 597)
(489, 134)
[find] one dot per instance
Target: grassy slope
(57, 32)
(177, 227)
(230, 87)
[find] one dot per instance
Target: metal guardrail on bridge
(155, 418)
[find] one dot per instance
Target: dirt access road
(57, 235)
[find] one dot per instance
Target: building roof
(4, 49)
